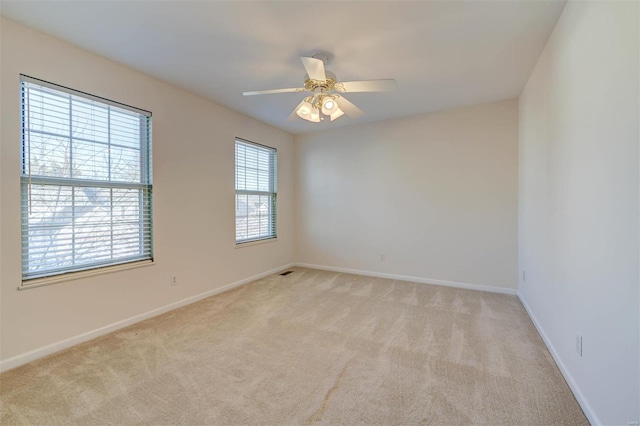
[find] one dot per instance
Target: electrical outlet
(174, 280)
(579, 345)
(382, 257)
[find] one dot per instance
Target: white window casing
(86, 182)
(256, 192)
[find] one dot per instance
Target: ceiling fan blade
(386, 85)
(268, 92)
(350, 109)
(314, 67)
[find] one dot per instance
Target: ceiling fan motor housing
(320, 86)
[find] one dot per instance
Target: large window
(86, 181)
(256, 171)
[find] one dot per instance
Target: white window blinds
(256, 170)
(86, 181)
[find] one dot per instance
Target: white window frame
(272, 234)
(28, 180)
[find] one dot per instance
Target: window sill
(40, 282)
(256, 242)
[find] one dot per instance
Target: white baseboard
(27, 357)
(467, 286)
(588, 411)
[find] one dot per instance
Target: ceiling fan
(326, 93)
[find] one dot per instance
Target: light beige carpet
(311, 347)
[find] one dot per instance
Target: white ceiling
(443, 54)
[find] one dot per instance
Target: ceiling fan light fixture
(314, 116)
(305, 110)
(329, 106)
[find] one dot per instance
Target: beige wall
(436, 194)
(578, 203)
(193, 151)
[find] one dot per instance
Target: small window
(256, 171)
(85, 183)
